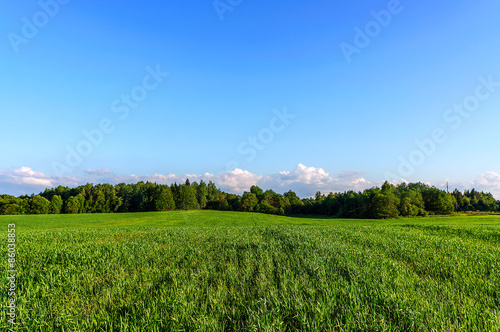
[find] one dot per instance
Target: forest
(388, 201)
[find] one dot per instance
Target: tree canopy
(388, 201)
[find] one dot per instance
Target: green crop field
(228, 271)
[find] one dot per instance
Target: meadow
(235, 271)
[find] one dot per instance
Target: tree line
(388, 201)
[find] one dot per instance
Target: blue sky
(355, 118)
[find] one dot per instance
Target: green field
(227, 271)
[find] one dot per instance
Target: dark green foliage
(202, 194)
(212, 190)
(437, 201)
(163, 199)
(56, 204)
(385, 206)
(388, 201)
(39, 205)
(249, 201)
(257, 191)
(75, 204)
(10, 205)
(234, 202)
(187, 197)
(475, 200)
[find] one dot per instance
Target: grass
(225, 271)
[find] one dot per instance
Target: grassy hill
(216, 271)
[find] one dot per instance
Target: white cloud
(25, 176)
(24, 181)
(305, 175)
(236, 181)
(488, 181)
(305, 181)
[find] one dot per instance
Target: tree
(56, 204)
(294, 202)
(202, 194)
(40, 205)
(492, 207)
(367, 202)
(10, 205)
(174, 188)
(265, 207)
(318, 197)
(163, 199)
(249, 201)
(146, 197)
(437, 201)
(465, 202)
(125, 193)
(351, 206)
(411, 202)
(257, 191)
(293, 199)
(99, 201)
(234, 202)
(112, 202)
(281, 203)
(385, 203)
(459, 198)
(388, 201)
(75, 204)
(223, 205)
(270, 197)
(213, 191)
(187, 198)
(385, 206)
